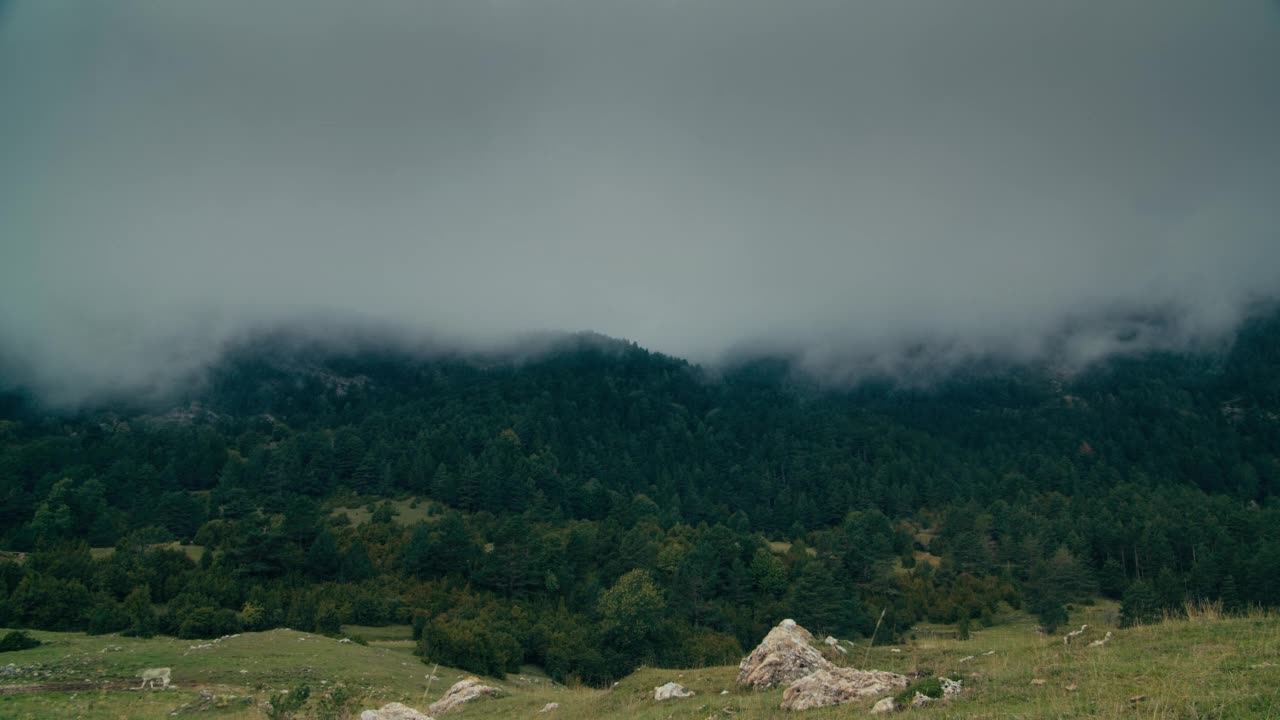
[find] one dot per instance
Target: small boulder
(885, 705)
(836, 686)
(784, 656)
(549, 707)
(950, 688)
(671, 690)
(920, 700)
(393, 711)
(463, 691)
(1039, 681)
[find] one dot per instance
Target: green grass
(195, 552)
(1207, 667)
(406, 513)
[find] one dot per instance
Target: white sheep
(150, 676)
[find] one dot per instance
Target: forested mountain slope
(596, 505)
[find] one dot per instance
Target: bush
(207, 622)
(931, 687)
(285, 705)
(339, 703)
(17, 640)
(471, 644)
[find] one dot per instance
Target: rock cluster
(393, 711)
(463, 691)
(837, 685)
(786, 657)
(783, 657)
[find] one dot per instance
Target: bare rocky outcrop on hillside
(787, 657)
(784, 656)
(462, 692)
(838, 685)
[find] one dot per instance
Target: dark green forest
(598, 506)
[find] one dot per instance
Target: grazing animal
(150, 676)
(1066, 639)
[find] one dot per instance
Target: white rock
(549, 707)
(884, 705)
(393, 711)
(836, 686)
(783, 657)
(463, 691)
(671, 690)
(950, 688)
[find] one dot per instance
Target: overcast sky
(836, 180)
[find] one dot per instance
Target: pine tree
(142, 616)
(1230, 596)
(1140, 605)
(356, 565)
(323, 559)
(1111, 580)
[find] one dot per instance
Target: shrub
(338, 703)
(285, 705)
(207, 622)
(931, 687)
(17, 640)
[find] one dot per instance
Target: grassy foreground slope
(1206, 667)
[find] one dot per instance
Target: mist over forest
(593, 336)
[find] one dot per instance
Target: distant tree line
(601, 506)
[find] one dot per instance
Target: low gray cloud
(846, 183)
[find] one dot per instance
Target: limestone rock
(950, 688)
(393, 711)
(836, 685)
(920, 700)
(784, 656)
(671, 690)
(885, 705)
(1102, 642)
(463, 691)
(549, 707)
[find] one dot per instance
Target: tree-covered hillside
(597, 506)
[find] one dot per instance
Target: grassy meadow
(1203, 667)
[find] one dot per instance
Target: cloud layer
(838, 181)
